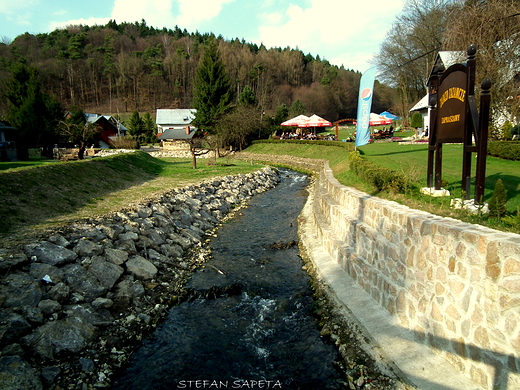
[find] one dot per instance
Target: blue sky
(345, 32)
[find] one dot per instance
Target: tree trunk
(193, 151)
(193, 160)
(81, 151)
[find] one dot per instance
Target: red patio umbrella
(315, 121)
(295, 121)
(378, 120)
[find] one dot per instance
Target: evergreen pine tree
(149, 127)
(296, 109)
(135, 125)
(34, 113)
(247, 97)
(497, 202)
(212, 94)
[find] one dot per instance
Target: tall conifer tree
(213, 94)
(33, 112)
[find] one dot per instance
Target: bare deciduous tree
(493, 26)
(407, 54)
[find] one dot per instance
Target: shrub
(513, 220)
(508, 150)
(506, 130)
(497, 202)
(516, 130)
(124, 143)
(345, 145)
(380, 177)
(417, 120)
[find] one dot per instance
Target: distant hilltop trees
(126, 67)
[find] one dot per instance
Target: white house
(174, 119)
(174, 126)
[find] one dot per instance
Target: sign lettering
(451, 109)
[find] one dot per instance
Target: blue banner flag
(366, 91)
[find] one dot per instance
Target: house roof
(447, 59)
(450, 58)
(177, 116)
(421, 104)
(5, 126)
(94, 118)
(177, 134)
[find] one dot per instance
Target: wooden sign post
(454, 118)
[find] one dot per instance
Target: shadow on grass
(511, 184)
(31, 196)
(361, 152)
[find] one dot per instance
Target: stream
(249, 323)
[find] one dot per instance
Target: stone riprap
(454, 285)
(74, 303)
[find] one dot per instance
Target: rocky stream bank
(76, 301)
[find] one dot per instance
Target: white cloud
(12, 7)
(271, 19)
(157, 13)
(86, 22)
(192, 12)
(326, 26)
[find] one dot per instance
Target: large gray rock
(129, 236)
(112, 231)
(21, 290)
(50, 253)
(53, 338)
(60, 292)
(51, 273)
(107, 273)
(17, 374)
(143, 211)
(49, 306)
(12, 261)
(86, 248)
(83, 282)
(141, 268)
(14, 326)
(116, 256)
(126, 291)
(126, 245)
(172, 251)
(86, 313)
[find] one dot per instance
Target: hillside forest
(126, 67)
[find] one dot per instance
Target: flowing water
(255, 328)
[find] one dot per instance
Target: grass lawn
(412, 160)
(25, 164)
(346, 132)
(42, 193)
(39, 196)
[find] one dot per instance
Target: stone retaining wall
(453, 284)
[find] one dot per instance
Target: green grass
(412, 160)
(43, 195)
(11, 165)
(346, 132)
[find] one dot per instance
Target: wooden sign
(454, 118)
(451, 109)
